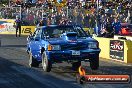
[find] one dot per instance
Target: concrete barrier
(115, 49)
(123, 37)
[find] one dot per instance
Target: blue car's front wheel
(46, 63)
(32, 61)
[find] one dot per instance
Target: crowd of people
(104, 16)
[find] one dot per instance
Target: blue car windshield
(57, 31)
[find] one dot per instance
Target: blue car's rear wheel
(94, 63)
(32, 61)
(46, 63)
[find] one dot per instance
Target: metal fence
(9, 13)
(31, 16)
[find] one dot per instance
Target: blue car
(62, 43)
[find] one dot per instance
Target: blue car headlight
(54, 47)
(93, 45)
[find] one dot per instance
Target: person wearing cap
(18, 25)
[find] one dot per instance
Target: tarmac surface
(15, 72)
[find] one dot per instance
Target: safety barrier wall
(7, 27)
(26, 30)
(119, 50)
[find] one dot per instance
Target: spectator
(117, 26)
(108, 31)
(18, 25)
(86, 20)
(79, 19)
(43, 22)
(106, 9)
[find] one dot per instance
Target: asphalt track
(15, 72)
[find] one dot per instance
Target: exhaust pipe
(80, 77)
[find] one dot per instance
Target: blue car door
(35, 44)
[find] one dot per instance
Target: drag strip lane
(20, 66)
(15, 72)
(61, 75)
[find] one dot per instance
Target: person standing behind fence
(43, 22)
(109, 28)
(117, 26)
(18, 26)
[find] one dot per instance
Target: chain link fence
(31, 16)
(87, 18)
(9, 13)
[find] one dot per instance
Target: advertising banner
(26, 30)
(117, 49)
(7, 26)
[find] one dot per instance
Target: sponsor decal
(117, 49)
